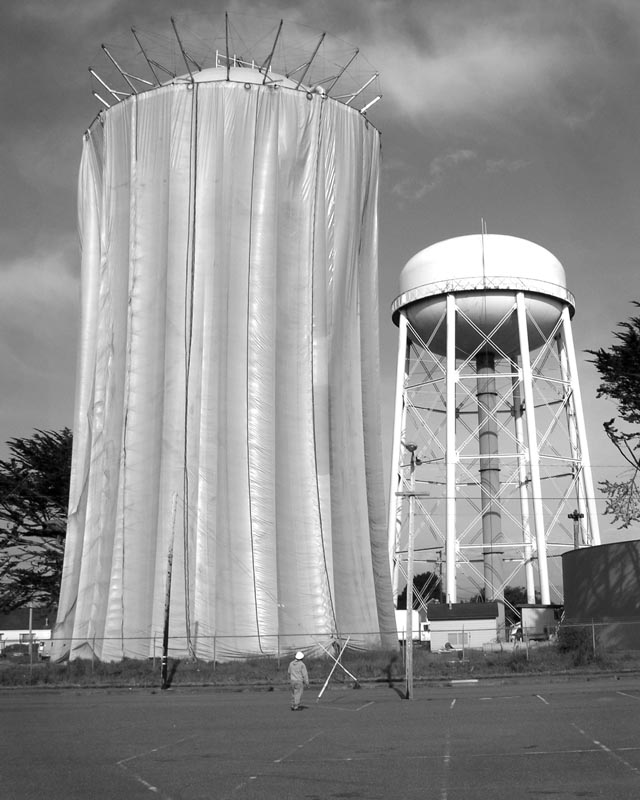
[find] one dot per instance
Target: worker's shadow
(388, 671)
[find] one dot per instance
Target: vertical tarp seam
(247, 390)
(189, 299)
(125, 422)
(313, 393)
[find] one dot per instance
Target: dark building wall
(602, 585)
(19, 619)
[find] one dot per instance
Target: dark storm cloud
(524, 112)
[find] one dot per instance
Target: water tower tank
(489, 442)
(483, 271)
(221, 493)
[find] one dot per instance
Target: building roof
(462, 611)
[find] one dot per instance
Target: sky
(524, 113)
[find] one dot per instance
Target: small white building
(540, 622)
(419, 626)
(462, 624)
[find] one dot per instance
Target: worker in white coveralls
(299, 678)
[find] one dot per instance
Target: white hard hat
(299, 654)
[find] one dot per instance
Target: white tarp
(227, 403)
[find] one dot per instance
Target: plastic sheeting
(227, 435)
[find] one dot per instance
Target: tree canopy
(619, 368)
(34, 492)
(426, 586)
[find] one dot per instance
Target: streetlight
(576, 516)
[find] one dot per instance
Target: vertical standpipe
(489, 476)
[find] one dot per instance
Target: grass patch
(370, 666)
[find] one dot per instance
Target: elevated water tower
(490, 470)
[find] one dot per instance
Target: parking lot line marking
(522, 753)
(123, 764)
(502, 697)
(370, 703)
(453, 702)
(632, 696)
(507, 754)
(298, 747)
(607, 750)
(540, 697)
(446, 761)
(146, 784)
(124, 761)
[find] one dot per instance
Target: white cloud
(441, 164)
(415, 188)
(412, 187)
(505, 164)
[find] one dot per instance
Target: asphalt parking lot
(500, 739)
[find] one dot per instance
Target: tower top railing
(476, 283)
(287, 56)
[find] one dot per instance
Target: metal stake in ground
(337, 664)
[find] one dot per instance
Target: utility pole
(30, 640)
(408, 635)
(164, 663)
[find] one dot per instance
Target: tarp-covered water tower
(491, 473)
(226, 456)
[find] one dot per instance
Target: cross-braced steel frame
(491, 478)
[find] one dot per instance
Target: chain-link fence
(596, 637)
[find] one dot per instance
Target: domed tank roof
(489, 262)
(484, 272)
(477, 258)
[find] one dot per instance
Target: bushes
(579, 642)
